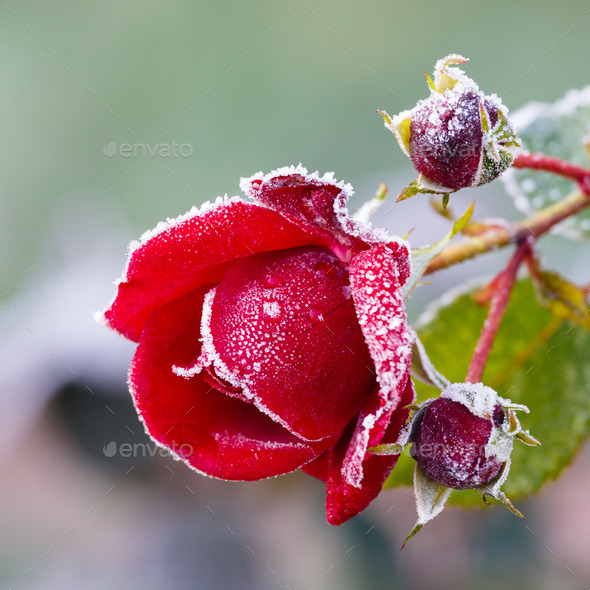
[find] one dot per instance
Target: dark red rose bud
(457, 137)
(450, 444)
(446, 138)
(461, 440)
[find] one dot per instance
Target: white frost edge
(171, 222)
(456, 73)
(364, 231)
(246, 182)
(184, 460)
(437, 378)
(476, 397)
(211, 357)
(160, 228)
(352, 464)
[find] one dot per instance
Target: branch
(556, 166)
(535, 226)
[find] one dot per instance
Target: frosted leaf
(422, 256)
(557, 129)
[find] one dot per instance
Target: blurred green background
(230, 88)
(250, 86)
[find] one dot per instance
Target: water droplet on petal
(272, 311)
(272, 281)
(316, 315)
(326, 269)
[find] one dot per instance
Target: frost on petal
(195, 250)
(318, 202)
(282, 329)
(376, 277)
(343, 500)
(214, 433)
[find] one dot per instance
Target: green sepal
(528, 439)
(386, 449)
(422, 256)
(431, 498)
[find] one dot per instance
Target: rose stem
(534, 226)
(503, 287)
(556, 166)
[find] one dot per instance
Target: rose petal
(376, 276)
(216, 434)
(283, 330)
(194, 250)
(343, 501)
(315, 202)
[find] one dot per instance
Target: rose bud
(461, 440)
(450, 444)
(272, 336)
(457, 137)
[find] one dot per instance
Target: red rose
(272, 335)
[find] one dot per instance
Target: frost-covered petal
(376, 277)
(317, 202)
(343, 500)
(216, 434)
(194, 250)
(282, 330)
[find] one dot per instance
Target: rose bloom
(272, 336)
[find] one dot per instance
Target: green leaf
(559, 130)
(564, 299)
(537, 360)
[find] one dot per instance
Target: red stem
(556, 166)
(504, 283)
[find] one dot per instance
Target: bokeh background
(114, 116)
